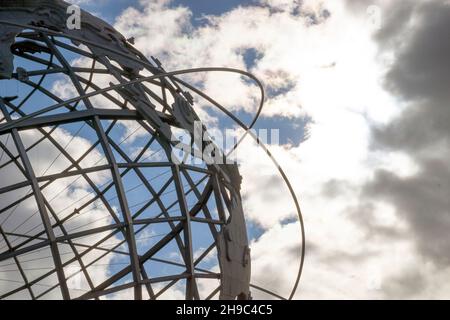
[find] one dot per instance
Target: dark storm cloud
(423, 201)
(420, 76)
(407, 285)
(418, 35)
(422, 68)
(394, 22)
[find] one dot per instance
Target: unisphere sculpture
(85, 213)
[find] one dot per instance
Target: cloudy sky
(359, 92)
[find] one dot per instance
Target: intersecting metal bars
(130, 165)
(115, 173)
(41, 206)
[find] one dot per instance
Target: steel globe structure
(97, 200)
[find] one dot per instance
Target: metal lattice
(108, 213)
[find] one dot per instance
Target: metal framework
(138, 224)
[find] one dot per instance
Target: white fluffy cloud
(317, 60)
